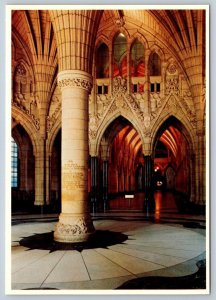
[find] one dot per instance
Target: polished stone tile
(131, 264)
(25, 258)
(99, 267)
(70, 268)
(38, 271)
(160, 259)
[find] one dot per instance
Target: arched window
(137, 60)
(14, 164)
(154, 65)
(102, 61)
(120, 56)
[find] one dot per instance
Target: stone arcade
(106, 103)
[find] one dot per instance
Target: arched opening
(154, 64)
(22, 170)
(102, 61)
(172, 163)
(55, 174)
(137, 66)
(120, 56)
(121, 148)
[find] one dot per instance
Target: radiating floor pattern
(151, 249)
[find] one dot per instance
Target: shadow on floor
(100, 239)
(193, 281)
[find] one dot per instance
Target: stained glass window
(14, 164)
(120, 56)
(137, 60)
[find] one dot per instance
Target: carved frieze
(75, 82)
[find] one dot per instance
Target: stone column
(105, 185)
(94, 183)
(39, 176)
(149, 203)
(75, 224)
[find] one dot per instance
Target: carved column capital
(75, 78)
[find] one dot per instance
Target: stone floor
(169, 247)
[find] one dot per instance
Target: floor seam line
(52, 269)
(30, 263)
(138, 258)
(86, 267)
(116, 263)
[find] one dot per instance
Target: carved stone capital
(75, 78)
(73, 229)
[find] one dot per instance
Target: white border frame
(7, 150)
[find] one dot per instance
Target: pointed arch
(160, 126)
(107, 121)
(26, 122)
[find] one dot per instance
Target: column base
(73, 228)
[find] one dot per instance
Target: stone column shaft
(39, 177)
(75, 223)
(105, 185)
(94, 183)
(148, 184)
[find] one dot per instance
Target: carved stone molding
(73, 229)
(51, 120)
(75, 82)
(27, 108)
(77, 79)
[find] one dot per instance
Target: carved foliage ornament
(77, 226)
(75, 82)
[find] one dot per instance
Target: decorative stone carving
(147, 121)
(172, 69)
(119, 102)
(172, 85)
(103, 102)
(56, 110)
(73, 229)
(76, 82)
(75, 78)
(135, 107)
(28, 106)
(20, 70)
(155, 101)
(119, 85)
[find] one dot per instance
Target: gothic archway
(24, 190)
(55, 174)
(173, 158)
(120, 157)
